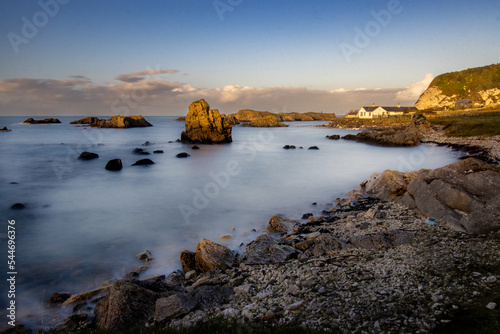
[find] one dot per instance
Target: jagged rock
(231, 119)
(173, 307)
(88, 156)
(270, 121)
(188, 261)
(182, 155)
(146, 256)
(265, 249)
(462, 194)
(280, 224)
(205, 125)
(122, 122)
(210, 255)
(86, 120)
(114, 165)
(143, 162)
(130, 303)
(42, 121)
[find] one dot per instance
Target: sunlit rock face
(205, 125)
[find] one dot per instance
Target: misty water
(83, 225)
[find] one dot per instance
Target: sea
(83, 225)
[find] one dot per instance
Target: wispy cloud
(413, 92)
(139, 76)
(143, 93)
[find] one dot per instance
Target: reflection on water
(83, 225)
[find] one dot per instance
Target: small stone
(190, 275)
(491, 279)
(491, 306)
(182, 155)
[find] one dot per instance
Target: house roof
(352, 112)
(393, 109)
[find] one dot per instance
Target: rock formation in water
(42, 121)
(269, 119)
(118, 121)
(205, 125)
(480, 85)
(409, 135)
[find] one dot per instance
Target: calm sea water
(84, 225)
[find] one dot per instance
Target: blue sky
(274, 55)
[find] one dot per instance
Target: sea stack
(205, 125)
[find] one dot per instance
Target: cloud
(143, 93)
(413, 92)
(139, 76)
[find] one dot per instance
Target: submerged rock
(88, 156)
(205, 125)
(182, 155)
(18, 206)
(143, 162)
(114, 165)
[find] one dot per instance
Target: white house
(382, 112)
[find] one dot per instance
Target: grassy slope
(484, 124)
(466, 83)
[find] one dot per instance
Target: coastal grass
(484, 124)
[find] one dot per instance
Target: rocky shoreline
(365, 266)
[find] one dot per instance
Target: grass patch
(484, 124)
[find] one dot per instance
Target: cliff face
(481, 85)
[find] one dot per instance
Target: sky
(155, 57)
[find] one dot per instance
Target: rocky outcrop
(42, 121)
(409, 135)
(480, 85)
(87, 120)
(256, 118)
(118, 121)
(210, 255)
(4, 129)
(205, 125)
(270, 121)
(463, 195)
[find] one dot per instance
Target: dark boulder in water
(88, 156)
(195, 147)
(182, 155)
(140, 151)
(288, 147)
(4, 129)
(143, 162)
(18, 206)
(158, 151)
(333, 137)
(114, 165)
(314, 148)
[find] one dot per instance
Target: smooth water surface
(83, 225)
